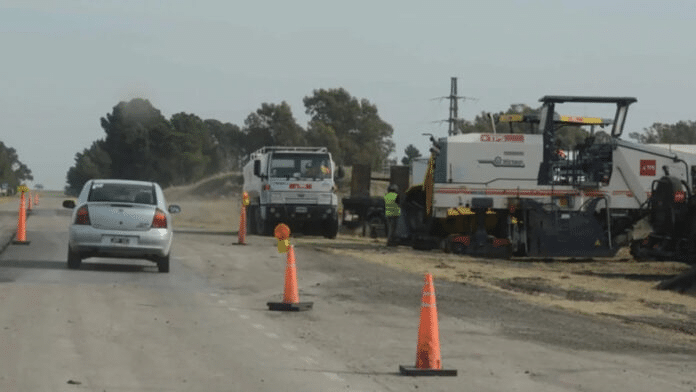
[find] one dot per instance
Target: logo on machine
(502, 138)
(300, 186)
(500, 162)
(648, 167)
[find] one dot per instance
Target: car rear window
(123, 193)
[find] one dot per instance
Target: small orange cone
(36, 199)
(291, 297)
(21, 238)
(241, 234)
(28, 201)
(428, 360)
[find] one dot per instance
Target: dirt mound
(220, 186)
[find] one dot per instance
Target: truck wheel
(251, 220)
(261, 224)
(331, 228)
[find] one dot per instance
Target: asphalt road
(119, 325)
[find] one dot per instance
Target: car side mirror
(69, 203)
(174, 209)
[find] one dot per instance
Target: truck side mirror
(340, 173)
(257, 168)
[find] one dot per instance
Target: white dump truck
(291, 185)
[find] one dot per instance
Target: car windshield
(300, 166)
(123, 193)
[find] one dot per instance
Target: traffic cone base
(291, 299)
(428, 361)
(292, 307)
(414, 371)
(17, 242)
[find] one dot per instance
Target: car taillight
(160, 220)
(82, 216)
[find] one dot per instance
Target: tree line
(12, 171)
(141, 144)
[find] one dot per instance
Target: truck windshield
(307, 166)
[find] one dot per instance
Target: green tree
(362, 135)
(228, 141)
(93, 162)
(683, 132)
(411, 153)
(272, 125)
(12, 170)
(128, 141)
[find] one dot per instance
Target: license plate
(118, 240)
(301, 209)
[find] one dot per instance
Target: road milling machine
(503, 194)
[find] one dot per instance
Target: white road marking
(232, 309)
(258, 326)
(214, 294)
(272, 335)
(289, 347)
(222, 301)
(244, 316)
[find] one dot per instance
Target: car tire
(163, 264)
(74, 260)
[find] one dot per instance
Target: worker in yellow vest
(392, 212)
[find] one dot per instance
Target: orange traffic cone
(241, 234)
(291, 298)
(29, 202)
(428, 361)
(36, 199)
(21, 238)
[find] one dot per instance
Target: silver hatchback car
(121, 219)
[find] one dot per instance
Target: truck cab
(292, 185)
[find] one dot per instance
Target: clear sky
(64, 64)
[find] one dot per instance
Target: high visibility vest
(391, 208)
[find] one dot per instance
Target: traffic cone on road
(28, 202)
(36, 199)
(21, 237)
(291, 297)
(428, 360)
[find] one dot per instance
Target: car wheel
(74, 259)
(163, 264)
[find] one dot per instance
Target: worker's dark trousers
(391, 230)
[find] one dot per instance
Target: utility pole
(453, 109)
(454, 119)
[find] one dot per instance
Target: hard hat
(393, 188)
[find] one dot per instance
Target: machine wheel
(377, 227)
(74, 259)
(163, 264)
